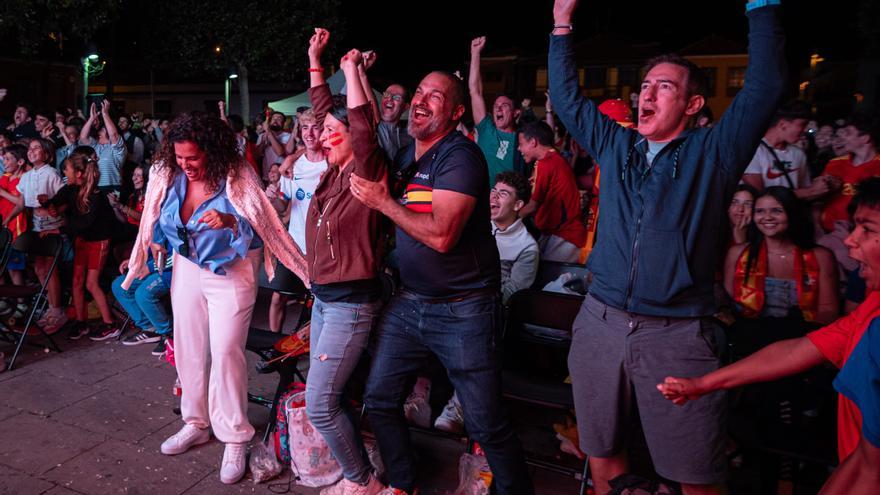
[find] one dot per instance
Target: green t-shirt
(499, 147)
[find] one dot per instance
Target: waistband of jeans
(461, 296)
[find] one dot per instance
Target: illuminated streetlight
(91, 51)
(90, 67)
(231, 73)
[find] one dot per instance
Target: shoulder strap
(777, 163)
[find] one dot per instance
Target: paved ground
(90, 420)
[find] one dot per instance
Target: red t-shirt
(137, 204)
(17, 225)
(836, 342)
(843, 168)
(556, 191)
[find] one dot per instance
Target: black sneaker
(160, 347)
(142, 337)
(106, 331)
(77, 330)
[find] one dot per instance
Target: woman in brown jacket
(342, 244)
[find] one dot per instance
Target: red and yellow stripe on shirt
(418, 198)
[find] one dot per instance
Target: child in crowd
(90, 222)
(43, 180)
(144, 303)
(15, 160)
(273, 183)
(129, 210)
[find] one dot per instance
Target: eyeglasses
(392, 96)
(184, 238)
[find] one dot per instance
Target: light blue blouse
(209, 248)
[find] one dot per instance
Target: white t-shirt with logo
(299, 192)
(792, 157)
(269, 156)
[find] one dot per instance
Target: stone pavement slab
(42, 393)
(60, 490)
(212, 484)
(92, 364)
(8, 412)
(35, 444)
(12, 481)
(120, 467)
(143, 382)
(129, 420)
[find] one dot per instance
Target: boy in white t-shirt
(778, 162)
(297, 189)
(43, 181)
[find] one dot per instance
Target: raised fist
(351, 59)
(563, 10)
(477, 44)
(318, 42)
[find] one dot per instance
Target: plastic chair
(48, 246)
(535, 345)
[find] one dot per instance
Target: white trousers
(212, 313)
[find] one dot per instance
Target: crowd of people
(764, 222)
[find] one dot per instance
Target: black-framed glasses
(393, 96)
(184, 238)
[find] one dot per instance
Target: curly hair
(212, 136)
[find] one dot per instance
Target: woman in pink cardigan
(205, 207)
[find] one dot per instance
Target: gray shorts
(617, 359)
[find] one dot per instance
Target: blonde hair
(308, 116)
(88, 167)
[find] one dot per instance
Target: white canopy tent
(288, 106)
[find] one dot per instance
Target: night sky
(414, 37)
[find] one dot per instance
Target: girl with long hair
(780, 271)
(90, 223)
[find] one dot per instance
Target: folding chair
(49, 246)
(5, 248)
(549, 271)
(261, 342)
(5, 252)
(535, 344)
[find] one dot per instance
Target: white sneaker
(232, 468)
(451, 419)
(417, 410)
(188, 436)
(346, 487)
(52, 320)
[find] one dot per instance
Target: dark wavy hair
(212, 136)
(800, 226)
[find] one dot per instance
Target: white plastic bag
(263, 463)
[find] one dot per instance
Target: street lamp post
(227, 84)
(90, 66)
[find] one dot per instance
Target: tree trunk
(245, 93)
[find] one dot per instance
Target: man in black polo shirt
(448, 304)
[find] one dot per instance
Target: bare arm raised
(475, 80)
